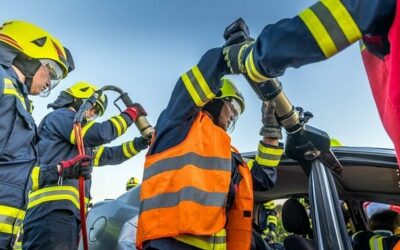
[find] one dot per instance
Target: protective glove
(141, 143)
(135, 111)
(271, 127)
(78, 166)
(233, 55)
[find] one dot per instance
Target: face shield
(236, 110)
(54, 73)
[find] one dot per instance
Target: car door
(329, 228)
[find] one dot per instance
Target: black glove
(78, 166)
(140, 143)
(233, 55)
(271, 127)
(134, 111)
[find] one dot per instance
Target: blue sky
(143, 47)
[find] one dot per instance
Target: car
(367, 174)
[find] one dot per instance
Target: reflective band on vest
(184, 191)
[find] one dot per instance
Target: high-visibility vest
(384, 77)
(185, 190)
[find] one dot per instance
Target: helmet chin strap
(28, 67)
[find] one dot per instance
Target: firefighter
(131, 183)
(321, 31)
(269, 221)
(32, 63)
(197, 191)
(52, 219)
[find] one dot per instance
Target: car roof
(369, 174)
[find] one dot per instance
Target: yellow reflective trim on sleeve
(269, 205)
(250, 164)
(252, 71)
(125, 150)
(203, 84)
(98, 156)
(116, 125)
(319, 32)
(344, 19)
(35, 178)
(192, 91)
(267, 162)
(132, 148)
(123, 122)
(269, 150)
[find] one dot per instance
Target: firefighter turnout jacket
(57, 143)
(18, 154)
(196, 187)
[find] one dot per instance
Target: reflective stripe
(35, 178)
(376, 242)
(97, 156)
(331, 25)
(55, 194)
(272, 220)
(250, 164)
(268, 157)
(270, 205)
(10, 219)
(9, 89)
(197, 86)
(85, 129)
(251, 70)
(129, 149)
(117, 124)
(123, 123)
(185, 194)
(216, 241)
(175, 163)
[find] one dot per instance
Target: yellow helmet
(36, 43)
(131, 183)
(229, 90)
(84, 90)
(335, 143)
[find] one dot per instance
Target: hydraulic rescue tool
(305, 144)
(146, 130)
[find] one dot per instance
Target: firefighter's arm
(317, 33)
(95, 134)
(264, 166)
(42, 175)
(116, 155)
(196, 87)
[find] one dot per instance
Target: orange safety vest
(185, 189)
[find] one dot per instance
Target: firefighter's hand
(135, 111)
(271, 127)
(140, 143)
(74, 168)
(233, 55)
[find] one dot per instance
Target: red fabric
(132, 112)
(384, 77)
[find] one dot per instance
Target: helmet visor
(54, 72)
(236, 110)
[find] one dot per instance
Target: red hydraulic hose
(82, 205)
